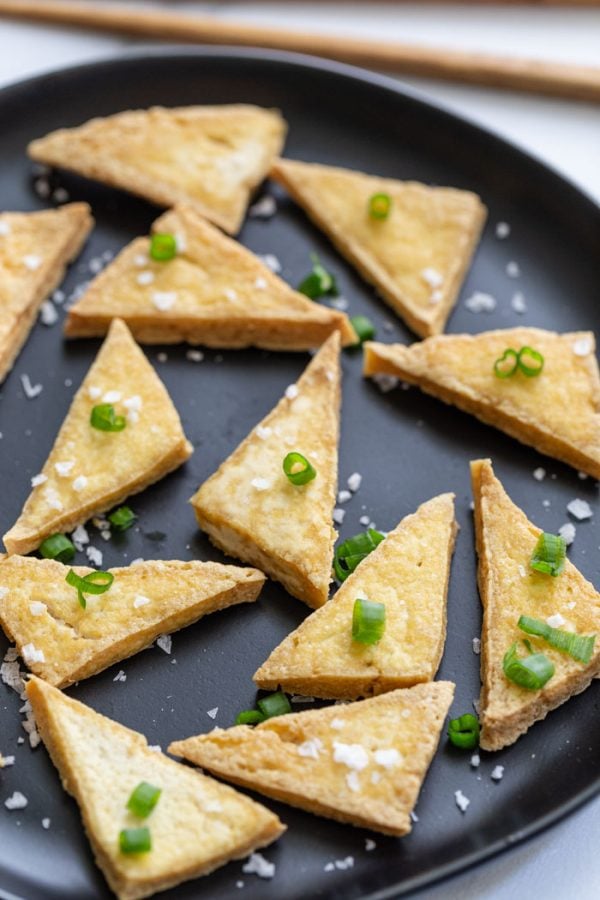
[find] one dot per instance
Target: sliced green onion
(143, 799)
(122, 518)
(380, 206)
(579, 646)
(249, 717)
(549, 554)
(320, 282)
(298, 469)
(93, 583)
(135, 840)
(531, 362)
(368, 621)
(529, 672)
(163, 247)
(464, 731)
(274, 705)
(364, 328)
(103, 418)
(353, 550)
(58, 547)
(527, 360)
(507, 364)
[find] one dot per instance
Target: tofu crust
(211, 157)
(292, 758)
(151, 445)
(416, 258)
(509, 588)
(51, 237)
(100, 762)
(223, 295)
(409, 573)
(557, 412)
(251, 511)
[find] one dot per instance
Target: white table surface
(563, 862)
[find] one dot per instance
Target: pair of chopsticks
(553, 79)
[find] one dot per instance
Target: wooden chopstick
(552, 79)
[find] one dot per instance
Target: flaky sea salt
(264, 208)
(580, 509)
(165, 642)
(17, 800)
(461, 801)
(567, 532)
(258, 865)
(30, 390)
(480, 302)
(48, 314)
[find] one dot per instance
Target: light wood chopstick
(553, 79)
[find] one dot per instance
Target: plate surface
(408, 448)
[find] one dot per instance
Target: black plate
(407, 447)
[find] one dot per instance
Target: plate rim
(419, 97)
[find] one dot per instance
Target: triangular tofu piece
(209, 156)
(35, 249)
(196, 826)
(362, 763)
(214, 292)
(408, 572)
(250, 510)
(63, 643)
(510, 588)
(417, 258)
(89, 471)
(557, 412)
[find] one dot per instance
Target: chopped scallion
(531, 362)
(578, 646)
(163, 247)
(143, 799)
(93, 583)
(249, 717)
(135, 840)
(464, 731)
(122, 518)
(368, 621)
(320, 282)
(104, 418)
(380, 206)
(364, 328)
(298, 469)
(549, 554)
(526, 360)
(274, 705)
(529, 672)
(59, 547)
(353, 550)
(507, 364)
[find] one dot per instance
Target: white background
(565, 861)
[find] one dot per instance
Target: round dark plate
(407, 446)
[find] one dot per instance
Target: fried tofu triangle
(250, 509)
(196, 826)
(557, 411)
(35, 249)
(416, 257)
(510, 588)
(362, 763)
(63, 643)
(213, 292)
(408, 572)
(211, 157)
(91, 470)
